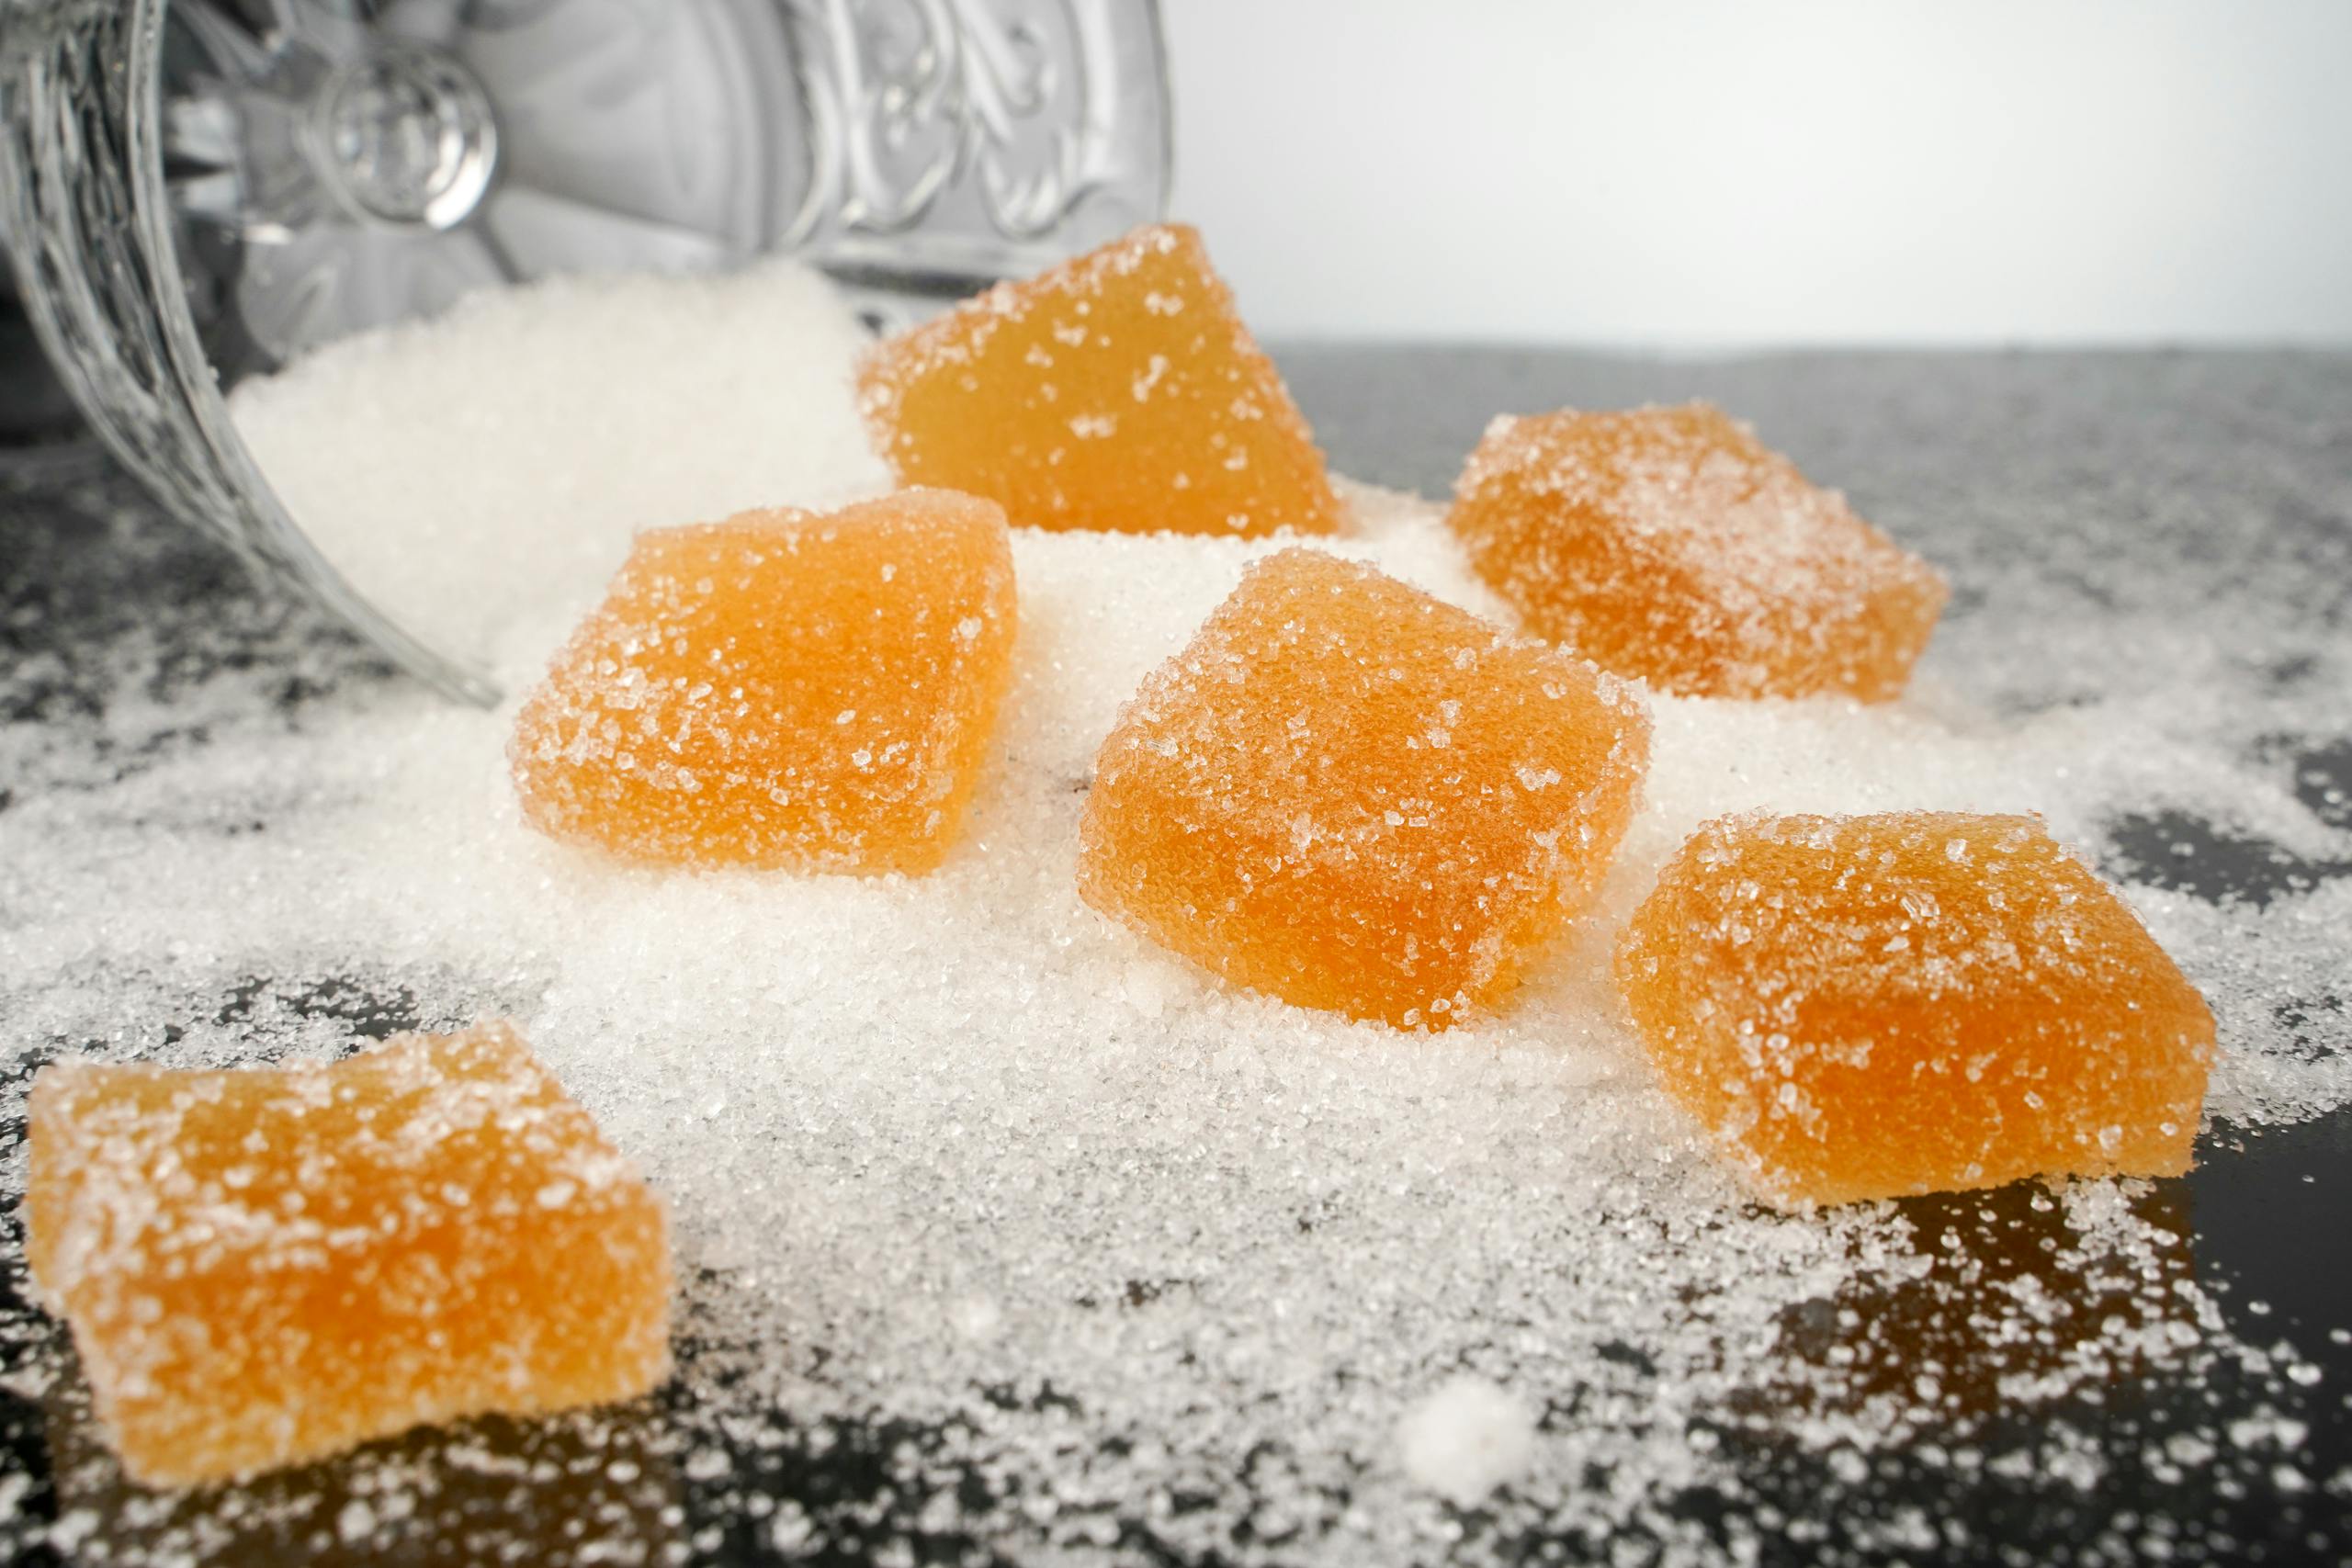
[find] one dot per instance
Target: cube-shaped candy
(783, 689)
(269, 1265)
(1354, 796)
(1117, 392)
(1671, 545)
(1867, 1007)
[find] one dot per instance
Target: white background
(1683, 173)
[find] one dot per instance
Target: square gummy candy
(783, 689)
(1867, 1007)
(1117, 392)
(1670, 545)
(1354, 796)
(269, 1265)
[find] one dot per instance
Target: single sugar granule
(1465, 1439)
(1867, 1007)
(1355, 796)
(265, 1266)
(783, 689)
(1118, 391)
(1671, 545)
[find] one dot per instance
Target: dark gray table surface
(2155, 484)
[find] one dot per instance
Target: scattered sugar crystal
(1118, 391)
(1350, 794)
(270, 1265)
(356, 1522)
(2268, 1429)
(1856, 1012)
(1670, 543)
(1466, 1438)
(783, 688)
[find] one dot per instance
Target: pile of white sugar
(1002, 1231)
(499, 457)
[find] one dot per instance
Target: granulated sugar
(469, 469)
(1465, 1440)
(1003, 1232)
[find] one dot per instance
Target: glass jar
(194, 191)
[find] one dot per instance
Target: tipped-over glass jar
(195, 191)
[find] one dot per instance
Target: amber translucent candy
(1118, 391)
(1668, 544)
(1354, 796)
(267, 1266)
(783, 689)
(1868, 1006)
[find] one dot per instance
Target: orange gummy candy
(268, 1266)
(1868, 1006)
(781, 689)
(1669, 543)
(1350, 795)
(1117, 392)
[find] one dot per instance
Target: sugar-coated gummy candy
(1352, 796)
(784, 689)
(1869, 1007)
(1671, 545)
(265, 1266)
(1119, 391)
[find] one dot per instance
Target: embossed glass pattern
(197, 190)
